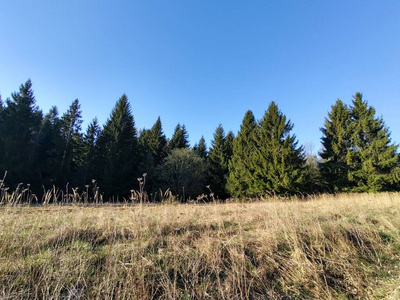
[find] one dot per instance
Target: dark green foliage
(230, 137)
(117, 156)
(336, 143)
(50, 147)
(183, 172)
(372, 158)
(218, 158)
(153, 150)
(19, 131)
(180, 138)
(201, 149)
(73, 146)
(89, 153)
(157, 142)
(358, 154)
(240, 182)
(263, 159)
(278, 163)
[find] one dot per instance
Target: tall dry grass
(327, 247)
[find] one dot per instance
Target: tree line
(264, 158)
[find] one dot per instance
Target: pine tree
(218, 164)
(336, 143)
(19, 130)
(279, 163)
(180, 139)
(117, 151)
(201, 149)
(372, 157)
(240, 181)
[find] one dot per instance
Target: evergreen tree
(153, 150)
(336, 143)
(50, 147)
(201, 149)
(19, 130)
(1, 136)
(117, 151)
(72, 153)
(180, 139)
(90, 140)
(157, 142)
(278, 163)
(218, 164)
(240, 181)
(372, 158)
(230, 137)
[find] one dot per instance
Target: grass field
(327, 247)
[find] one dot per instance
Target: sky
(203, 63)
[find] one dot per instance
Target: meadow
(324, 247)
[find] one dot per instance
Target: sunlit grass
(325, 247)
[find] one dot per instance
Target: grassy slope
(328, 247)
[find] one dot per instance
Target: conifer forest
(40, 151)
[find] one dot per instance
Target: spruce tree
(240, 181)
(50, 147)
(90, 140)
(117, 151)
(19, 129)
(1, 137)
(218, 164)
(180, 138)
(279, 163)
(372, 158)
(157, 142)
(201, 149)
(229, 138)
(153, 150)
(72, 153)
(336, 143)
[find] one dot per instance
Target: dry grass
(328, 247)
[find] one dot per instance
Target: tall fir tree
(240, 181)
(157, 142)
(50, 147)
(153, 151)
(89, 151)
(372, 158)
(72, 153)
(218, 164)
(1, 137)
(201, 148)
(336, 144)
(180, 138)
(229, 138)
(117, 150)
(279, 163)
(19, 130)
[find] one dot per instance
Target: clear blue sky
(202, 63)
